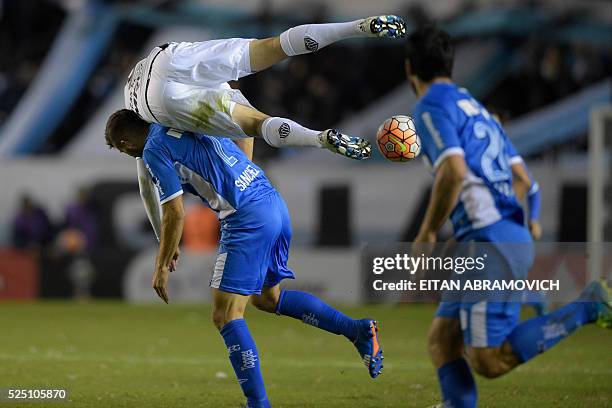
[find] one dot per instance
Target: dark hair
(430, 52)
(120, 125)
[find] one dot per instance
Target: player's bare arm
(521, 182)
(444, 196)
(172, 230)
(246, 145)
(522, 185)
(535, 229)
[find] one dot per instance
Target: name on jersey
(472, 108)
(246, 177)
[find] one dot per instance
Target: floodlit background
(77, 251)
(69, 209)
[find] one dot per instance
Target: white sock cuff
(285, 43)
(266, 131)
(281, 132)
(307, 38)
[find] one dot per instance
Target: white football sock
(312, 37)
(281, 132)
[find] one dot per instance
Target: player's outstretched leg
(539, 334)
(228, 313)
(311, 310)
(312, 37)
(309, 38)
(281, 132)
(535, 336)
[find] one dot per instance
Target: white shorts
(184, 86)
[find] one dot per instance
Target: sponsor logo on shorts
(310, 44)
(284, 130)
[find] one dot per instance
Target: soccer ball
(397, 139)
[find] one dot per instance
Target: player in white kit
(184, 85)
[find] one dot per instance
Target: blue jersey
(214, 169)
(451, 122)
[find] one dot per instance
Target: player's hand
(160, 282)
(424, 243)
(449, 248)
(535, 229)
(174, 262)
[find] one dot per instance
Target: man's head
(126, 132)
(429, 56)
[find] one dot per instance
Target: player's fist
(160, 282)
(424, 243)
(535, 229)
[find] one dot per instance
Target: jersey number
(229, 160)
(494, 162)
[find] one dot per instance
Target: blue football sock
(245, 360)
(311, 310)
(457, 384)
(535, 336)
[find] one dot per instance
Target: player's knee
(487, 369)
(249, 119)
(266, 302)
(221, 317)
(444, 342)
(487, 364)
(434, 345)
(438, 349)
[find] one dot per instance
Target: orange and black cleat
(368, 346)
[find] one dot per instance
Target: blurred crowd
(27, 31)
(548, 73)
(69, 241)
(74, 253)
(76, 232)
(316, 91)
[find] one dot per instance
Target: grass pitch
(119, 355)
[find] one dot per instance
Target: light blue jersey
(450, 121)
(214, 169)
(255, 222)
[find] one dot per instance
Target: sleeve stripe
(515, 160)
(451, 151)
(426, 116)
(165, 200)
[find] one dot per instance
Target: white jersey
(184, 86)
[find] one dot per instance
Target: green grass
(118, 355)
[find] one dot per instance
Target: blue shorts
(254, 247)
(488, 323)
